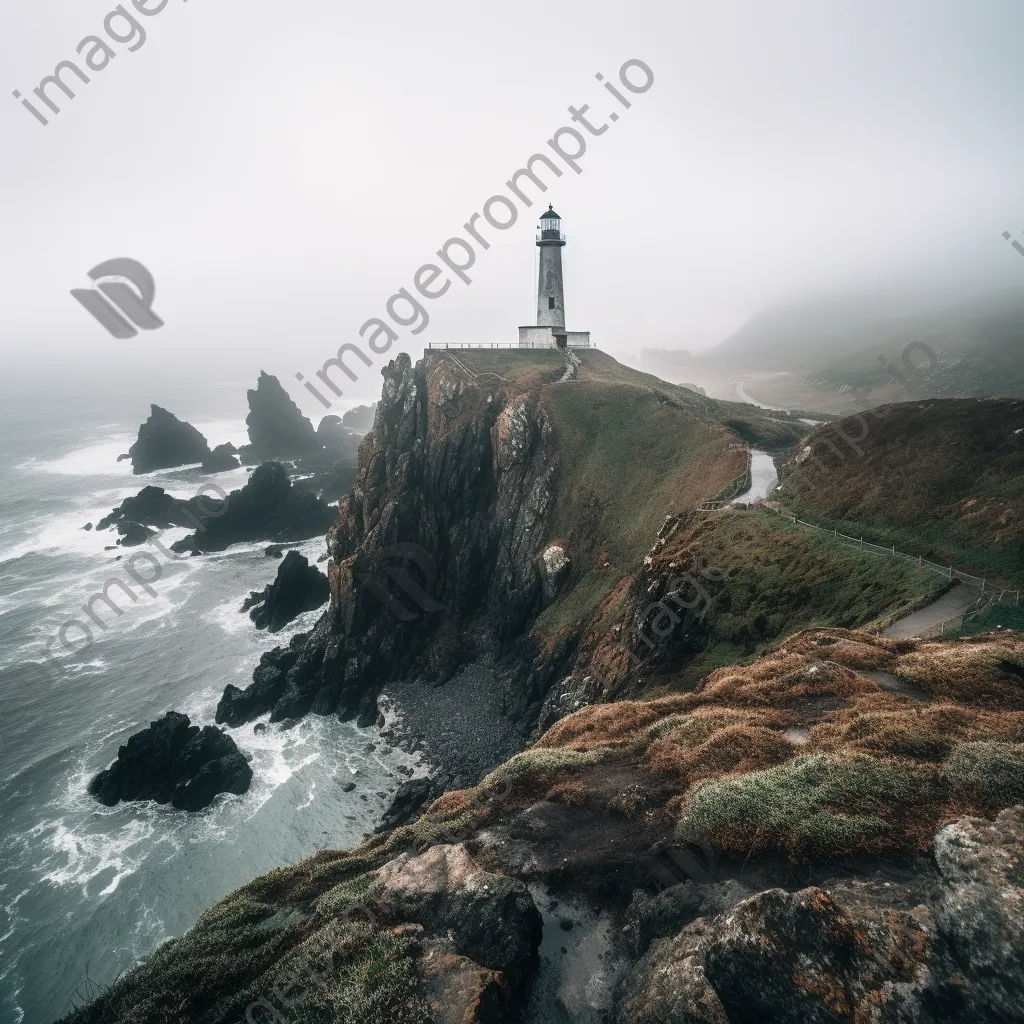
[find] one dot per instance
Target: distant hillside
(830, 347)
(942, 478)
(811, 334)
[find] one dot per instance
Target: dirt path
(953, 603)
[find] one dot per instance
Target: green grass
(793, 579)
(627, 458)
(816, 805)
(943, 479)
(541, 365)
(990, 772)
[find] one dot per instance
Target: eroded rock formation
(174, 762)
(298, 587)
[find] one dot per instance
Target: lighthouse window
(551, 303)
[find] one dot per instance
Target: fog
(282, 170)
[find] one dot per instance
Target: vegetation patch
(992, 773)
(817, 806)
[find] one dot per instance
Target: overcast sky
(283, 169)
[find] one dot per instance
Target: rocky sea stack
(299, 587)
(174, 762)
(166, 442)
(277, 428)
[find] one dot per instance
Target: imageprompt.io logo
(121, 308)
(388, 575)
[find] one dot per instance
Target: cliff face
(462, 471)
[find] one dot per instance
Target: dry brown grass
(877, 771)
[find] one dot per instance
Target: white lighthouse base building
(552, 337)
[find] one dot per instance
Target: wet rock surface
(298, 587)
(174, 762)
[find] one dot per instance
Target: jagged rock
(299, 587)
(133, 534)
(165, 442)
(447, 519)
(153, 506)
(237, 706)
(266, 508)
(221, 459)
(277, 428)
(87, 527)
(273, 551)
(174, 762)
(490, 918)
(360, 418)
(411, 798)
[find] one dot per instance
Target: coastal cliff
(498, 502)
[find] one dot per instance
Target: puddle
(797, 734)
(578, 971)
(887, 681)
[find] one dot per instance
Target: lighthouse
(550, 290)
(549, 331)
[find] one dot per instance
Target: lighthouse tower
(550, 291)
(550, 331)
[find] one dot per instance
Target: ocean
(87, 891)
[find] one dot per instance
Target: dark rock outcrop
(267, 508)
(166, 442)
(277, 428)
(174, 762)
(336, 438)
(237, 706)
(221, 459)
(299, 587)
(408, 803)
(133, 534)
(153, 506)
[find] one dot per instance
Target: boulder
(221, 459)
(166, 442)
(174, 762)
(299, 587)
(277, 428)
(489, 918)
